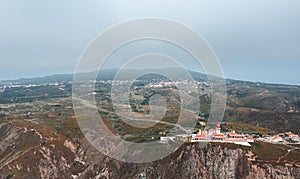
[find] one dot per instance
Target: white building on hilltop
(218, 128)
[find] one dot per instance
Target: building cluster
(215, 135)
(286, 137)
(171, 84)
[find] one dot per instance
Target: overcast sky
(254, 40)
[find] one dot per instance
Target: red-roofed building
(162, 133)
(276, 138)
(291, 135)
(219, 137)
(200, 136)
(250, 139)
(234, 135)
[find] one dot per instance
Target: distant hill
(39, 80)
(272, 106)
(105, 74)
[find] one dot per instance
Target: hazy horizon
(46, 75)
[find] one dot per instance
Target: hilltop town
(216, 135)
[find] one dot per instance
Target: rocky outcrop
(192, 161)
(24, 152)
(27, 153)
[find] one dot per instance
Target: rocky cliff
(192, 161)
(36, 151)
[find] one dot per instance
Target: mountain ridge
(109, 73)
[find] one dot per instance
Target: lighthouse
(218, 128)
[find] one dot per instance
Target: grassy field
(245, 128)
(274, 154)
